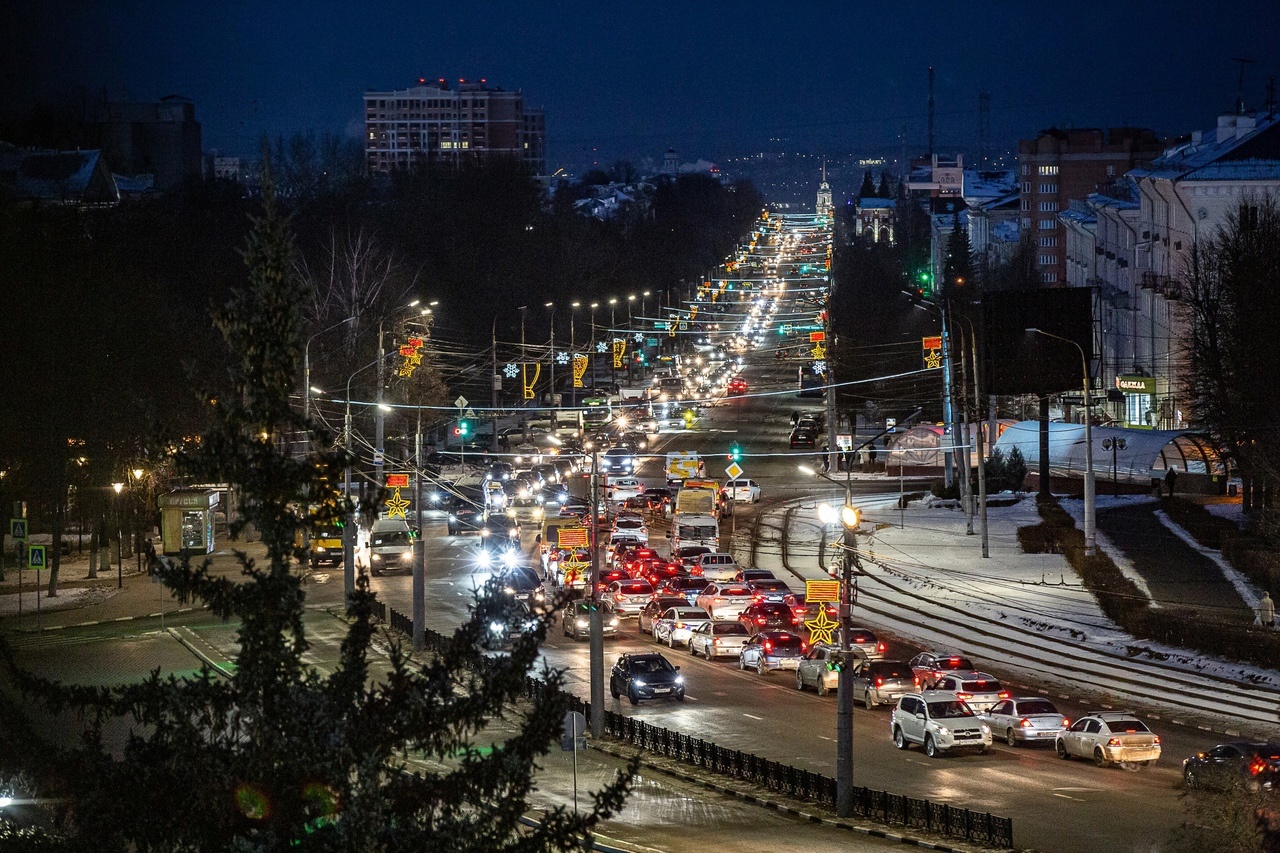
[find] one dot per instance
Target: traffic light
(463, 429)
(735, 453)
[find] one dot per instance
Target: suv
(980, 691)
(646, 676)
(716, 566)
(617, 460)
(939, 721)
(930, 666)
(881, 682)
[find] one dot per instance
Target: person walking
(1267, 611)
(1170, 477)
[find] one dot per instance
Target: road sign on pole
(18, 529)
(36, 557)
(734, 471)
(462, 402)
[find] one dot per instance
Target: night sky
(629, 79)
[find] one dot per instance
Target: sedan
(771, 590)
(1025, 720)
(577, 621)
(770, 650)
(753, 575)
(689, 587)
(881, 682)
(632, 527)
(658, 605)
(629, 597)
(725, 601)
(677, 624)
(1116, 737)
(866, 644)
(718, 639)
(658, 571)
(1250, 765)
(743, 491)
(623, 489)
(930, 666)
(769, 616)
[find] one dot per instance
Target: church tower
(824, 206)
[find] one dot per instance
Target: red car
(636, 559)
(608, 576)
(737, 386)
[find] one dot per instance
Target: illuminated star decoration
(638, 337)
(601, 346)
(819, 352)
(397, 505)
(822, 629)
(562, 357)
(933, 360)
(511, 370)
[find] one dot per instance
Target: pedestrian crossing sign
(36, 557)
(18, 529)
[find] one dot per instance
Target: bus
(811, 382)
(596, 414)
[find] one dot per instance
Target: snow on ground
(68, 596)
(1244, 587)
(1230, 510)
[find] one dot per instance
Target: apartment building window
(1048, 207)
(1047, 224)
(1026, 204)
(1111, 171)
(1026, 221)
(1049, 277)
(1049, 189)
(1048, 170)
(1048, 242)
(1026, 170)
(1048, 260)
(1026, 187)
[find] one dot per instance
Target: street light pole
(597, 617)
(1090, 496)
(552, 306)
(978, 425)
(117, 488)
(306, 366)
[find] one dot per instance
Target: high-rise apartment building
(1060, 165)
(439, 122)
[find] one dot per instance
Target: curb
(600, 846)
(773, 805)
(159, 614)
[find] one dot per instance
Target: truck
(698, 496)
(683, 464)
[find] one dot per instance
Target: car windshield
(948, 710)
(722, 628)
(890, 670)
(640, 666)
(1127, 726)
(788, 644)
(396, 537)
(1036, 708)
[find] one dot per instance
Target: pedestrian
(1170, 477)
(149, 552)
(1267, 611)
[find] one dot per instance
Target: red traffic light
(457, 431)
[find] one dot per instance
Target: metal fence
(869, 804)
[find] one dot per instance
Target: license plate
(662, 690)
(1045, 734)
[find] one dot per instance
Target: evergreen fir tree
(868, 188)
(884, 191)
(957, 270)
(276, 755)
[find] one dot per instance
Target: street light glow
(827, 513)
(806, 470)
(315, 390)
(137, 473)
(384, 407)
(119, 487)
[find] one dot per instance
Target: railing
(869, 804)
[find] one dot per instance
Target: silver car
(628, 597)
(1025, 720)
(881, 682)
(939, 721)
(980, 691)
(1113, 737)
(770, 650)
(677, 624)
(718, 639)
(817, 669)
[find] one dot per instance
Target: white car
(1031, 719)
(628, 597)
(623, 488)
(715, 566)
(742, 491)
(725, 600)
(1116, 737)
(630, 527)
(677, 624)
(718, 639)
(939, 721)
(980, 691)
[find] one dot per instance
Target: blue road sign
(36, 557)
(18, 529)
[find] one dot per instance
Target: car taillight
(1155, 739)
(880, 648)
(617, 596)
(804, 647)
(716, 641)
(717, 600)
(679, 624)
(1257, 766)
(1065, 722)
(1115, 741)
(760, 620)
(757, 598)
(1025, 723)
(768, 646)
(1003, 694)
(965, 695)
(916, 679)
(879, 682)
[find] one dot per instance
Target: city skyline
(626, 83)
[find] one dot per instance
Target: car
(803, 438)
(604, 577)
(724, 601)
(686, 585)
(771, 591)
(629, 597)
(818, 669)
(769, 616)
(737, 386)
(632, 527)
(980, 691)
(659, 570)
(576, 621)
(658, 499)
(770, 650)
(867, 644)
(523, 583)
(742, 491)
(715, 566)
(930, 666)
(939, 721)
(500, 471)
(1111, 737)
(503, 631)
(677, 624)
(645, 676)
(391, 546)
(632, 559)
(1252, 765)
(656, 606)
(751, 575)
(617, 460)
(466, 512)
(1030, 719)
(881, 682)
(718, 639)
(623, 489)
(688, 555)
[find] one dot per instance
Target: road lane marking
(822, 737)
(1065, 797)
(753, 716)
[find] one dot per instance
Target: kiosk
(186, 521)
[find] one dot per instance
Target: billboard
(1022, 362)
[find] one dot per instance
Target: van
(716, 566)
(391, 546)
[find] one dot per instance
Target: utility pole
(844, 683)
(597, 616)
(494, 382)
(378, 425)
(349, 520)
(420, 562)
(552, 306)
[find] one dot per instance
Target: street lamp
(631, 300)
(644, 299)
(948, 413)
(849, 517)
(306, 365)
(613, 313)
(1090, 528)
(118, 488)
(552, 360)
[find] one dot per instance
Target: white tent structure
(1125, 456)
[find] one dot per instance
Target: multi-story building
(873, 219)
(436, 122)
(937, 177)
(160, 139)
(1060, 165)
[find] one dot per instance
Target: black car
(503, 631)
(647, 676)
(466, 511)
(1248, 764)
(524, 585)
(803, 437)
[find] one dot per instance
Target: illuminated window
(1048, 170)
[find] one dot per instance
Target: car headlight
(614, 622)
(407, 556)
(484, 531)
(583, 623)
(496, 627)
(484, 559)
(452, 517)
(639, 682)
(510, 559)
(944, 731)
(679, 679)
(320, 549)
(986, 730)
(509, 590)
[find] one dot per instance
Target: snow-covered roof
(66, 176)
(1077, 216)
(1147, 453)
(1241, 147)
(983, 183)
(870, 203)
(1007, 231)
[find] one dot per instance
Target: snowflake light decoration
(562, 357)
(820, 367)
(511, 370)
(638, 337)
(601, 346)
